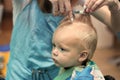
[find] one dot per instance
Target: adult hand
(93, 5)
(62, 7)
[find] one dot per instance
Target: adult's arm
(109, 16)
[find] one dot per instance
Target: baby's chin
(58, 65)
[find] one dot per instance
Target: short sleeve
(18, 6)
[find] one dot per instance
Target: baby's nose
(55, 52)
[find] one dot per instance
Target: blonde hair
(88, 36)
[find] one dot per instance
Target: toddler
(73, 46)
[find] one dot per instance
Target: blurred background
(107, 54)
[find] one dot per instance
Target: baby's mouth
(55, 60)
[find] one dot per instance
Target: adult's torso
(31, 37)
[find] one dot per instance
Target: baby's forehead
(69, 39)
(75, 26)
(70, 33)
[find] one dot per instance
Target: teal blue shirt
(30, 46)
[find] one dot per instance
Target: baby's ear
(83, 56)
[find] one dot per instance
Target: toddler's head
(74, 43)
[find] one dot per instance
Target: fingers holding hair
(93, 5)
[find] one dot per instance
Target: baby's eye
(62, 49)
